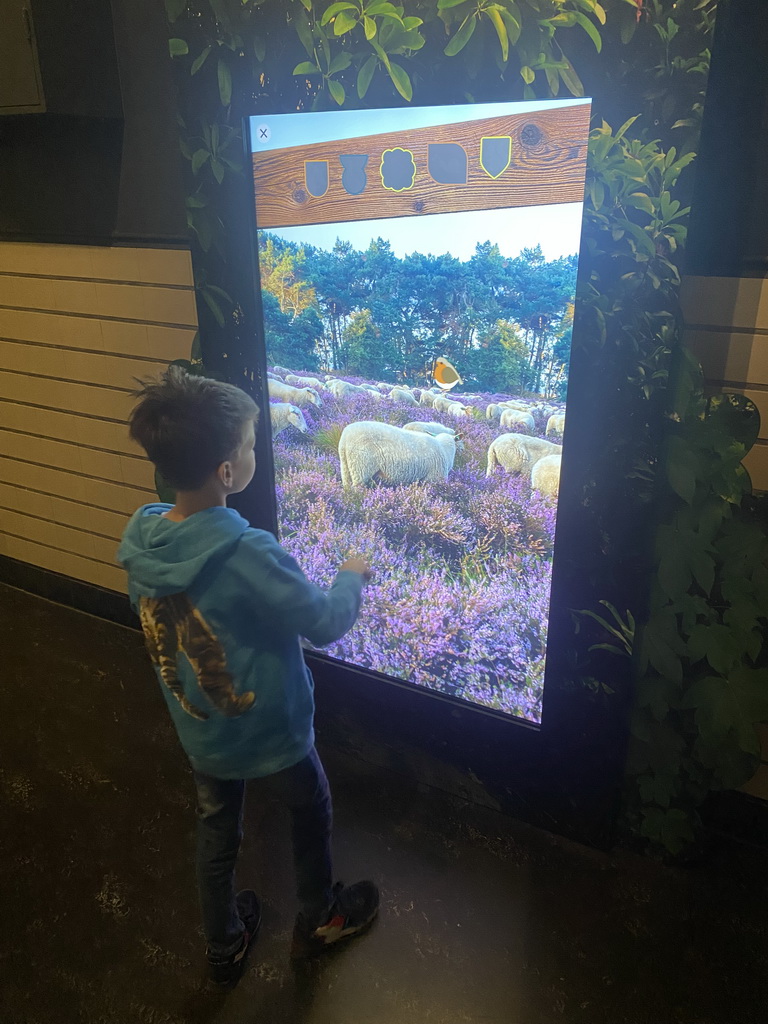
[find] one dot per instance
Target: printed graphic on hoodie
(173, 626)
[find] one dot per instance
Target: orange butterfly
(445, 374)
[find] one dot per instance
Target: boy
(222, 607)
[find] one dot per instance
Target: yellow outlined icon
(396, 167)
(495, 154)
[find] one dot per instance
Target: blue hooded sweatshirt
(223, 607)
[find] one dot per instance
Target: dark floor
(483, 919)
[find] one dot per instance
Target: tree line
(504, 322)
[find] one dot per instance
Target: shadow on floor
(483, 919)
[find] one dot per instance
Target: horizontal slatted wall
(77, 325)
(727, 327)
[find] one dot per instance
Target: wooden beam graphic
(547, 165)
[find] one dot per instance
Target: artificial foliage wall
(667, 613)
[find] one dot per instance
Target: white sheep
(441, 404)
(281, 370)
(342, 388)
(493, 411)
(294, 396)
(428, 396)
(283, 415)
(402, 395)
(555, 424)
(545, 475)
(517, 453)
(304, 382)
(460, 411)
(369, 450)
(429, 427)
(516, 419)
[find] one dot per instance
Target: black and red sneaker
(353, 909)
(226, 971)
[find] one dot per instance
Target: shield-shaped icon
(495, 154)
(316, 177)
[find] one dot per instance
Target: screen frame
(564, 774)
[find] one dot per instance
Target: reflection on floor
(483, 920)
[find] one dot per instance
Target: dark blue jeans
(304, 790)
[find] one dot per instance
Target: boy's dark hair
(189, 425)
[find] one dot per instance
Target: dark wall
(728, 234)
(69, 178)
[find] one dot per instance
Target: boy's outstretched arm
(295, 604)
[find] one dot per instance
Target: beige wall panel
(53, 260)
(112, 263)
(725, 301)
(65, 562)
(117, 498)
(57, 394)
(147, 340)
(37, 359)
(756, 464)
(31, 503)
(106, 370)
(67, 538)
(731, 357)
(61, 510)
(33, 292)
(77, 459)
(63, 426)
(50, 329)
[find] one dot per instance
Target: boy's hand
(358, 565)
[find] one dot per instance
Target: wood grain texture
(547, 166)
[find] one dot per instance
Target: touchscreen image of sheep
(370, 450)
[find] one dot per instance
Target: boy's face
(243, 463)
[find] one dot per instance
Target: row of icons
(447, 164)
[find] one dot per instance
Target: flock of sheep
(371, 450)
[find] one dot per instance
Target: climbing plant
(662, 495)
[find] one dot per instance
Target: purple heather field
(459, 598)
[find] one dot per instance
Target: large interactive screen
(418, 272)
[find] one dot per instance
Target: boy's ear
(224, 473)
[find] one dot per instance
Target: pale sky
(555, 228)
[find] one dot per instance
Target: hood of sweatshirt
(165, 557)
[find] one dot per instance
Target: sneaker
(226, 971)
(353, 909)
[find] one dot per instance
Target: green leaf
(571, 80)
(401, 81)
(198, 159)
(527, 74)
(333, 10)
(462, 37)
(364, 76)
(343, 23)
(174, 9)
(304, 32)
(501, 31)
(370, 27)
(178, 47)
(225, 83)
(385, 8)
(681, 472)
(213, 305)
(199, 61)
(218, 169)
(306, 68)
(336, 90)
(589, 28)
(340, 62)
(306, 4)
(443, 5)
(196, 352)
(640, 201)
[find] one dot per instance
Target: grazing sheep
(342, 388)
(304, 382)
(369, 450)
(402, 395)
(516, 419)
(281, 370)
(428, 396)
(493, 411)
(516, 453)
(460, 411)
(556, 424)
(545, 476)
(294, 396)
(441, 404)
(429, 427)
(283, 415)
